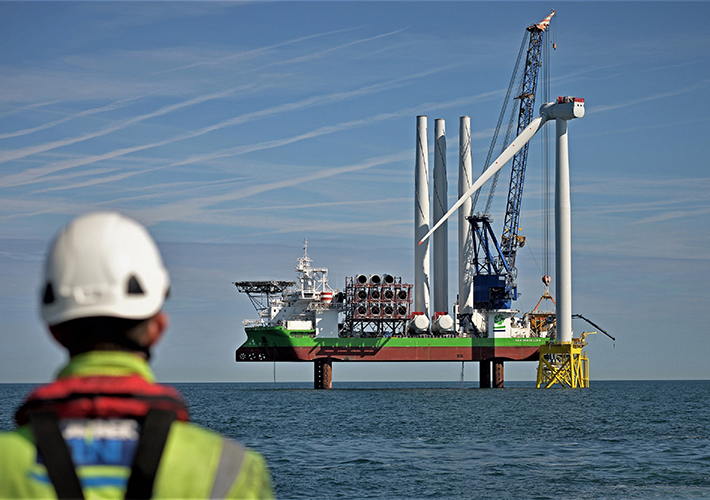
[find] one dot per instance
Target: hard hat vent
(48, 297)
(134, 288)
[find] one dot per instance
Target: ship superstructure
(305, 305)
(369, 307)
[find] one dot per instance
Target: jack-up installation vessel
(382, 318)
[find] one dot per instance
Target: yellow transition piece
(564, 363)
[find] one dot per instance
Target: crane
(510, 239)
(494, 266)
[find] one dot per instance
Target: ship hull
(279, 344)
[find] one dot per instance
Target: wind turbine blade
(497, 164)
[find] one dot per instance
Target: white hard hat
(103, 264)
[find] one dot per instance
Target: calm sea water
(646, 439)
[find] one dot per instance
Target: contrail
(114, 105)
(672, 93)
(248, 53)
(171, 211)
(320, 53)
(30, 175)
(329, 129)
(31, 106)
(35, 175)
(41, 148)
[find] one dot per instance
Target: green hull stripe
(281, 337)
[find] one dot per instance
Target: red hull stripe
(525, 353)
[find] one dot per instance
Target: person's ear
(156, 327)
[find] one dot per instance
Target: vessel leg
(484, 374)
(498, 382)
(323, 374)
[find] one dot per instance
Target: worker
(104, 428)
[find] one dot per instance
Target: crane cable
(506, 140)
(492, 147)
(545, 164)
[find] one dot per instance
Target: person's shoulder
(254, 480)
(190, 431)
(17, 458)
(236, 471)
(17, 440)
(231, 453)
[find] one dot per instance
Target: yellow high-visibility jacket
(196, 463)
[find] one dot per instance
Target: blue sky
(234, 131)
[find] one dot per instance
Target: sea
(390, 440)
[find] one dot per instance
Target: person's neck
(108, 348)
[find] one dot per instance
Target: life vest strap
(150, 448)
(62, 472)
(55, 453)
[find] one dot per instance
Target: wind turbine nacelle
(567, 108)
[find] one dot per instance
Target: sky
(235, 130)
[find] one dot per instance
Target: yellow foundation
(564, 363)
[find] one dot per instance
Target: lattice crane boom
(511, 240)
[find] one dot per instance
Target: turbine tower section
(465, 241)
(422, 222)
(563, 235)
(567, 108)
(441, 236)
